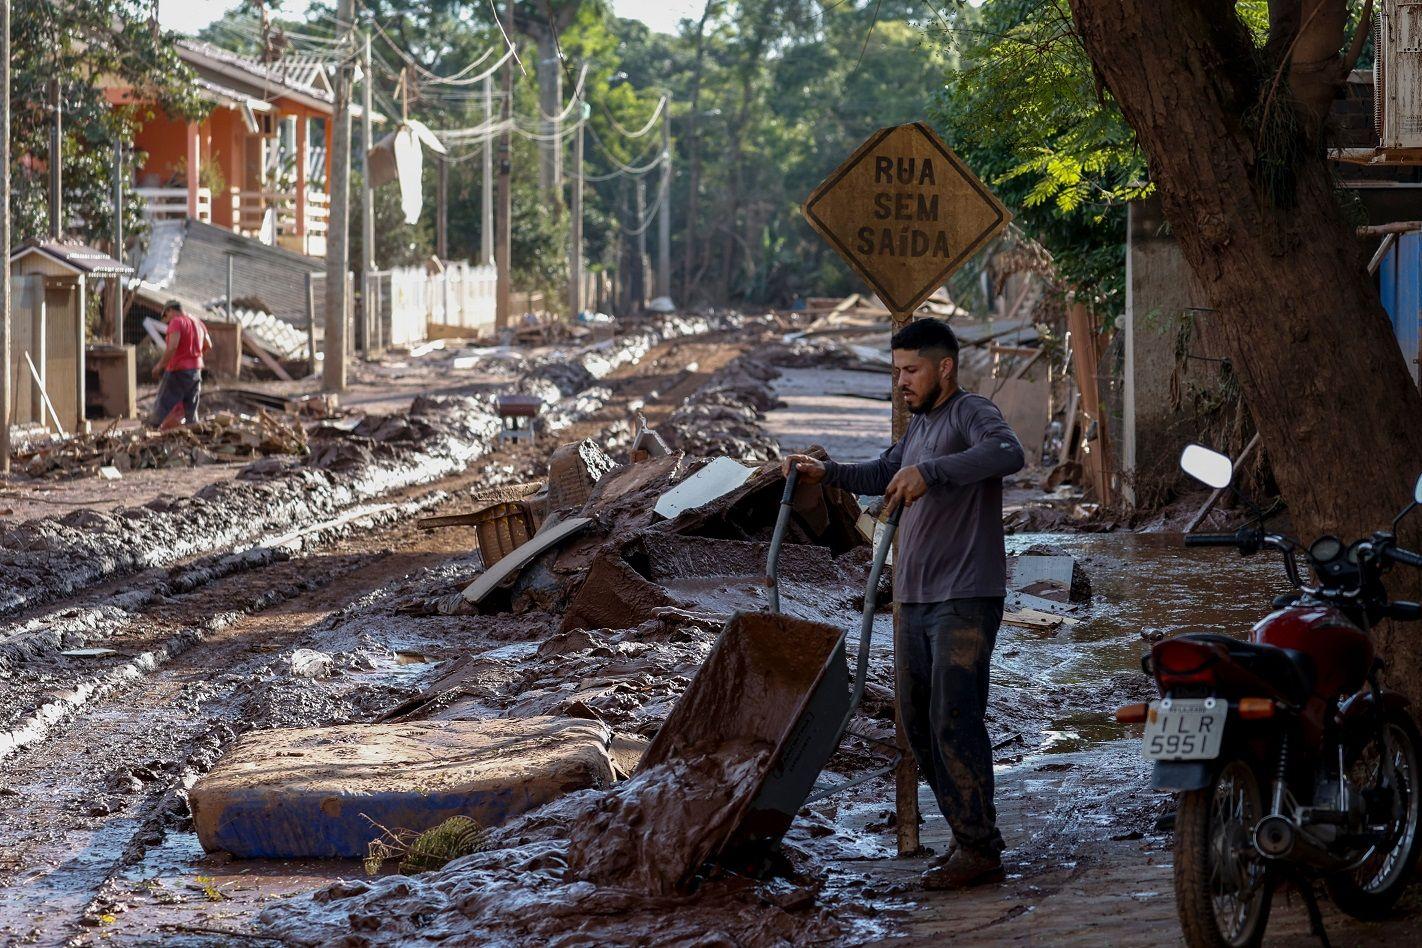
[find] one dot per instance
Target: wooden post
(333, 369)
(56, 163)
(503, 209)
(575, 242)
(442, 208)
(6, 398)
(664, 209)
(367, 200)
(116, 297)
(303, 145)
(906, 774)
(1085, 358)
(194, 166)
(311, 320)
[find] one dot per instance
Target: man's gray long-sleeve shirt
(950, 540)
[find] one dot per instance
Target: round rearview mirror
(1417, 491)
(1209, 467)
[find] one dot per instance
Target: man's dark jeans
(942, 660)
(184, 385)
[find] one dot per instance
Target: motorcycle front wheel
(1222, 888)
(1371, 888)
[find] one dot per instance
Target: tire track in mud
(105, 782)
(93, 796)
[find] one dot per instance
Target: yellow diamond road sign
(905, 213)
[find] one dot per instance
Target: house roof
(80, 258)
(234, 79)
(301, 78)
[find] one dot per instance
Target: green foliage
(88, 47)
(1023, 110)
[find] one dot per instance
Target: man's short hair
(172, 304)
(931, 338)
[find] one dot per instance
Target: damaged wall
(1176, 384)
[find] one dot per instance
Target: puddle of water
(1144, 586)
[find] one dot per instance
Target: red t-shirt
(191, 334)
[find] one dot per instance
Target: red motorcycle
(1288, 758)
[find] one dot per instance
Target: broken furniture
(225, 359)
(518, 413)
(329, 792)
(505, 519)
(111, 386)
(52, 281)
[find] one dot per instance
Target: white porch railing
(169, 204)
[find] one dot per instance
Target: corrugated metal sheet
(275, 276)
(1400, 285)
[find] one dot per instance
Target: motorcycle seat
(1290, 671)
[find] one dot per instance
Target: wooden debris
(224, 436)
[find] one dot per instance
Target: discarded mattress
(328, 792)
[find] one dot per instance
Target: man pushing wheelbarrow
(950, 579)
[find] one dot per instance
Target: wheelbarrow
(778, 682)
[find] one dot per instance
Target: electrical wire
(651, 122)
(458, 79)
(626, 168)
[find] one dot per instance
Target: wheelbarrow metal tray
(772, 680)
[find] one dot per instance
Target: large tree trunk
(1318, 365)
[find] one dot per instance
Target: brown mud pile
(613, 868)
(52, 557)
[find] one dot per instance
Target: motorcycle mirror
(1209, 467)
(1416, 500)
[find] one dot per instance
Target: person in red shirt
(180, 369)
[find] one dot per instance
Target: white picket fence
(462, 296)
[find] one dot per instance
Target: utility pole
(442, 210)
(550, 99)
(56, 162)
(664, 208)
(503, 226)
(367, 204)
(575, 245)
(486, 158)
(116, 299)
(5, 237)
(338, 259)
(641, 241)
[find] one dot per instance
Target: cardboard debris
(573, 469)
(716, 479)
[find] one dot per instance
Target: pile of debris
(224, 436)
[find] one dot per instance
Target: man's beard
(929, 400)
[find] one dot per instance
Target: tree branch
(1360, 38)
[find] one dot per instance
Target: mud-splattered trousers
(942, 656)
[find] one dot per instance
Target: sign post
(905, 213)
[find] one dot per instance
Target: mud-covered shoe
(965, 868)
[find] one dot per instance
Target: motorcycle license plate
(1185, 729)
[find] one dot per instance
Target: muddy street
(710, 474)
(121, 699)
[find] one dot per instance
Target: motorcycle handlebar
(1212, 539)
(1404, 611)
(1399, 555)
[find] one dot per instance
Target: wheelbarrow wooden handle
(782, 520)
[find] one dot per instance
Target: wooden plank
(508, 567)
(1215, 495)
(257, 350)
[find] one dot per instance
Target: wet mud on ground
(98, 841)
